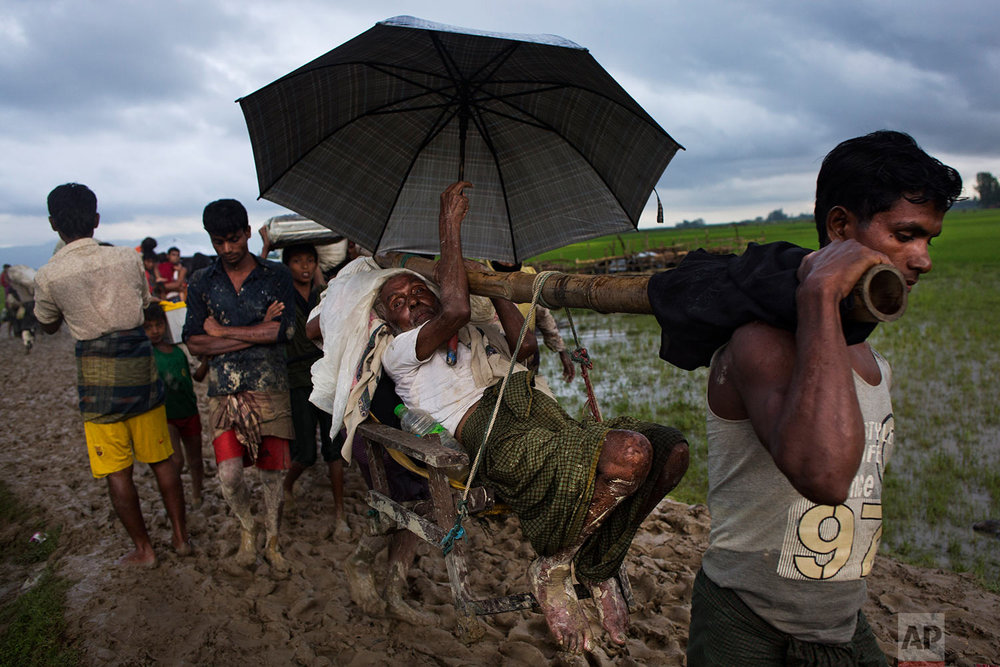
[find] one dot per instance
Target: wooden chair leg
(469, 628)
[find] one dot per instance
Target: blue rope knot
(457, 532)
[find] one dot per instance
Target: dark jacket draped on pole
(707, 297)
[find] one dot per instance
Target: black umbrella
(364, 139)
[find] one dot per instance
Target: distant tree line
(986, 185)
(988, 189)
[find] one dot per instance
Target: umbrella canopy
(364, 139)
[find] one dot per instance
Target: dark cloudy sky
(136, 99)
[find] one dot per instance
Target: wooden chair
(391, 515)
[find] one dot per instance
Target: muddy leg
(196, 466)
(237, 495)
(169, 481)
(402, 549)
(125, 500)
(623, 465)
(175, 441)
(336, 474)
(361, 578)
(611, 608)
(272, 482)
(551, 582)
(294, 472)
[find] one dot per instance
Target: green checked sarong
(116, 376)
(543, 464)
(725, 631)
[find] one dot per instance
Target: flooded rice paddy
(945, 472)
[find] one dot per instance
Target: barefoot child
(183, 420)
(302, 353)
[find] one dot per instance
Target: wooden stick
(880, 295)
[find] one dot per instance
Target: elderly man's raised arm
(449, 274)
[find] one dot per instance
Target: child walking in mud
(183, 420)
(301, 260)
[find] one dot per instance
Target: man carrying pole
(800, 426)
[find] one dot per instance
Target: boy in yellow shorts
(100, 292)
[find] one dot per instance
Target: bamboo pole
(880, 295)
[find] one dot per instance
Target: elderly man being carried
(580, 489)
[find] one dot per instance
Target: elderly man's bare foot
(552, 584)
(145, 558)
(361, 585)
(611, 608)
(247, 554)
(273, 556)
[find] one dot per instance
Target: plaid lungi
(116, 376)
(543, 464)
(725, 631)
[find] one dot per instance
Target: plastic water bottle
(420, 422)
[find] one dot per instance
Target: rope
(581, 357)
(457, 531)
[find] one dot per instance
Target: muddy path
(203, 610)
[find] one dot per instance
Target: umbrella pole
(880, 295)
(463, 128)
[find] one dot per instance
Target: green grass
(945, 471)
(32, 627)
(970, 235)
(35, 626)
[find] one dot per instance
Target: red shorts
(187, 425)
(273, 454)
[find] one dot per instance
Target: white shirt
(446, 392)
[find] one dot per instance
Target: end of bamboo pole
(880, 295)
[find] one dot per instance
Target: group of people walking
(800, 423)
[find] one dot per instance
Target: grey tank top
(798, 565)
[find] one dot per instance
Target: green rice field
(945, 471)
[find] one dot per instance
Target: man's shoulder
(78, 258)
(756, 347)
(756, 336)
(202, 275)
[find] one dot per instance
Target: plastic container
(420, 422)
(176, 314)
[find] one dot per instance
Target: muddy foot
(140, 558)
(552, 584)
(247, 555)
(361, 585)
(611, 609)
(273, 556)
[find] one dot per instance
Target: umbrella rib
(555, 85)
(488, 140)
(546, 126)
(390, 70)
(383, 110)
(443, 119)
